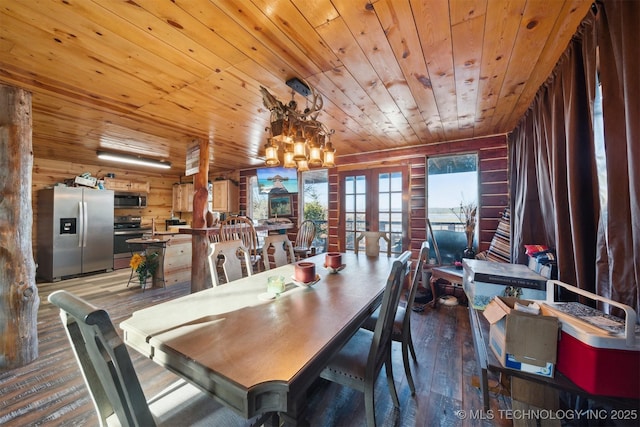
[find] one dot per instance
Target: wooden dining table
(257, 355)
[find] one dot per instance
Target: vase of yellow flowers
(145, 266)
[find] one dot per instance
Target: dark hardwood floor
(50, 391)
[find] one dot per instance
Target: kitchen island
(274, 227)
(177, 255)
(175, 260)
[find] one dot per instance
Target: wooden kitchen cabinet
(139, 187)
(225, 196)
(183, 197)
(125, 185)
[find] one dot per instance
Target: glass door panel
(390, 209)
(373, 200)
(355, 207)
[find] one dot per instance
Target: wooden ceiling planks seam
(502, 20)
(533, 28)
(408, 53)
(151, 75)
(437, 47)
(572, 11)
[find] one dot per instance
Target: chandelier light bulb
(271, 153)
(329, 156)
(288, 160)
(315, 158)
(303, 166)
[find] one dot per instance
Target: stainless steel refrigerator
(75, 231)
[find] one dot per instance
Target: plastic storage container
(597, 351)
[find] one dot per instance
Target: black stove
(123, 222)
(126, 227)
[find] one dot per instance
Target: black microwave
(129, 201)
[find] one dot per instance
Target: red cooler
(598, 352)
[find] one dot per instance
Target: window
(601, 158)
(373, 201)
(258, 204)
(315, 204)
(452, 185)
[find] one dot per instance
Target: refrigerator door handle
(81, 225)
(85, 223)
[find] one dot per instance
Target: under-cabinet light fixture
(134, 160)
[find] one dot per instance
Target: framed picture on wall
(280, 205)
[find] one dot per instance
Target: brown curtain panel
(618, 270)
(553, 172)
(554, 182)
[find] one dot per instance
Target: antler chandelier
(305, 141)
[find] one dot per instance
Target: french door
(374, 200)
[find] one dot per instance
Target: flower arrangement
(467, 216)
(144, 266)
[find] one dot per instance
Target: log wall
(493, 184)
(159, 200)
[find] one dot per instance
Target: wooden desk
(451, 274)
(261, 356)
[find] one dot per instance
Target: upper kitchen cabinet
(183, 197)
(126, 186)
(225, 196)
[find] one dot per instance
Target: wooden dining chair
(112, 381)
(401, 331)
(277, 251)
(372, 242)
(241, 228)
(303, 246)
(358, 363)
(234, 259)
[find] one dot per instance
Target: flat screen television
(277, 180)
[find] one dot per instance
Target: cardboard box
(522, 341)
(483, 280)
(87, 182)
(537, 394)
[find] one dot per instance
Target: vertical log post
(19, 299)
(200, 242)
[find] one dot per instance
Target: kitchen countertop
(215, 230)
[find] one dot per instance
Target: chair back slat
(390, 299)
(241, 228)
(277, 251)
(104, 361)
(423, 256)
(234, 258)
(372, 242)
(304, 238)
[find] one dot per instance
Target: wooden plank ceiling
(149, 76)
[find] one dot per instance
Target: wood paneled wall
(47, 173)
(493, 184)
(493, 172)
